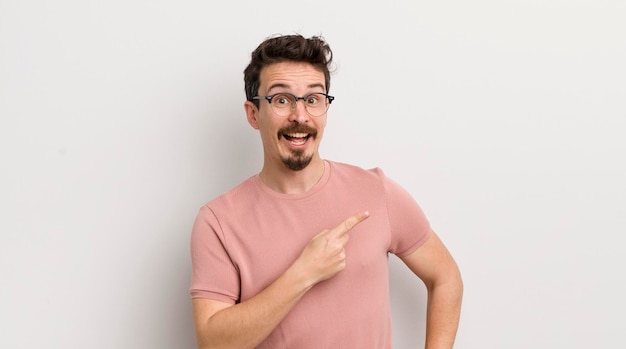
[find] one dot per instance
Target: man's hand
(324, 256)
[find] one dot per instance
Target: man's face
(293, 139)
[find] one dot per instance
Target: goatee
(298, 161)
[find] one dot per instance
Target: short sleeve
(409, 226)
(214, 275)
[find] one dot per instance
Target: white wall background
(505, 119)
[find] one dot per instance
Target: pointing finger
(351, 222)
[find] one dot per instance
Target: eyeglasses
(283, 103)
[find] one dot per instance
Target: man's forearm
(247, 324)
(443, 314)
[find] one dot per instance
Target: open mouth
(297, 134)
(297, 138)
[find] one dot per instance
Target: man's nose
(298, 112)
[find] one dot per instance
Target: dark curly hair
(286, 48)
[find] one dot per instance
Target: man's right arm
(247, 324)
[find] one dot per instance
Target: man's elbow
(448, 282)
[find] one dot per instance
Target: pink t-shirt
(243, 240)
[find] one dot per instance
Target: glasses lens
(282, 103)
(316, 104)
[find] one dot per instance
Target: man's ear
(251, 113)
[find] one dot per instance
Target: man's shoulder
(346, 170)
(234, 196)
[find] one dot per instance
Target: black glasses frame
(296, 98)
(270, 97)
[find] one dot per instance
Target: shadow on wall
(226, 151)
(231, 149)
(408, 306)
(174, 323)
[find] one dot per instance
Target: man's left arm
(435, 266)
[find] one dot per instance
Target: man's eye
(282, 100)
(312, 100)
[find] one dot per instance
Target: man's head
(286, 48)
(287, 82)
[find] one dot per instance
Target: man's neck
(286, 181)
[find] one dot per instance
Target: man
(272, 264)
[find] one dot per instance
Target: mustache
(297, 128)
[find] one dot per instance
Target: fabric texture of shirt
(246, 238)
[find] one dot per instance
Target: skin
(247, 324)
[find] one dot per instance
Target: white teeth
(297, 135)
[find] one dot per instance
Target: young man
(296, 256)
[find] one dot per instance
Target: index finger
(351, 222)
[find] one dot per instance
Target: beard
(298, 160)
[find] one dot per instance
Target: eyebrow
(281, 85)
